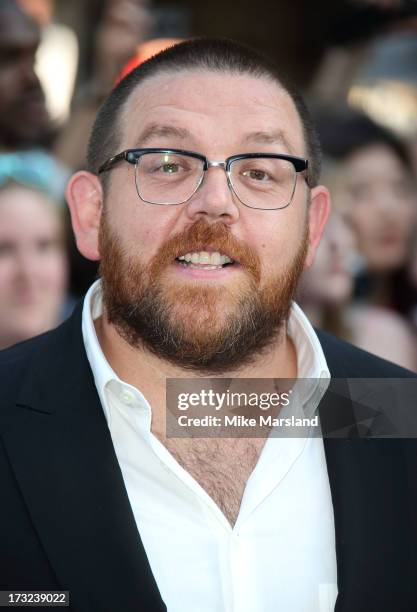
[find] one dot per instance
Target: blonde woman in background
(33, 257)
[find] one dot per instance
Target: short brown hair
(215, 55)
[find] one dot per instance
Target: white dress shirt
(280, 554)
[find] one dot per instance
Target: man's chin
(209, 338)
(205, 302)
(200, 326)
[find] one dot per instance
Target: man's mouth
(207, 260)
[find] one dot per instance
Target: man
(201, 209)
(24, 121)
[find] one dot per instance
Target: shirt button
(128, 398)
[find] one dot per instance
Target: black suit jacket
(66, 522)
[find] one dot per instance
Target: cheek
(362, 221)
(54, 273)
(407, 216)
(142, 243)
(8, 269)
(278, 245)
(9, 286)
(6, 288)
(147, 230)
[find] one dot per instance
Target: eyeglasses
(167, 177)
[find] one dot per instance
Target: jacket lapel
(63, 458)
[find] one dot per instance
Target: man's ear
(85, 200)
(318, 214)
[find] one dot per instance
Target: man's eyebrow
(277, 137)
(155, 130)
(162, 131)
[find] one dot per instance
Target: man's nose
(214, 200)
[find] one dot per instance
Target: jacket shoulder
(17, 360)
(38, 356)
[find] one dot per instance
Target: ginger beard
(205, 327)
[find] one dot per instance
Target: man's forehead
(259, 109)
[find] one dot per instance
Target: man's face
(201, 316)
(23, 115)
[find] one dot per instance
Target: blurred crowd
(363, 284)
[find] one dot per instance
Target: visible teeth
(206, 258)
(215, 259)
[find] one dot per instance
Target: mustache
(199, 237)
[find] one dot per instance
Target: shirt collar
(311, 361)
(103, 373)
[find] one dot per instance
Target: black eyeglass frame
(132, 156)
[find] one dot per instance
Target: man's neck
(147, 372)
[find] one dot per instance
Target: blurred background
(355, 62)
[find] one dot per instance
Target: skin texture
(23, 116)
(33, 266)
(377, 197)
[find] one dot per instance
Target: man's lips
(205, 271)
(204, 250)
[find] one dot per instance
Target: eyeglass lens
(171, 178)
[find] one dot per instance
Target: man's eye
(170, 168)
(256, 175)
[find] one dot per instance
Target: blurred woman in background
(33, 258)
(376, 194)
(326, 289)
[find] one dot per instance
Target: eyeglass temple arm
(112, 161)
(304, 172)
